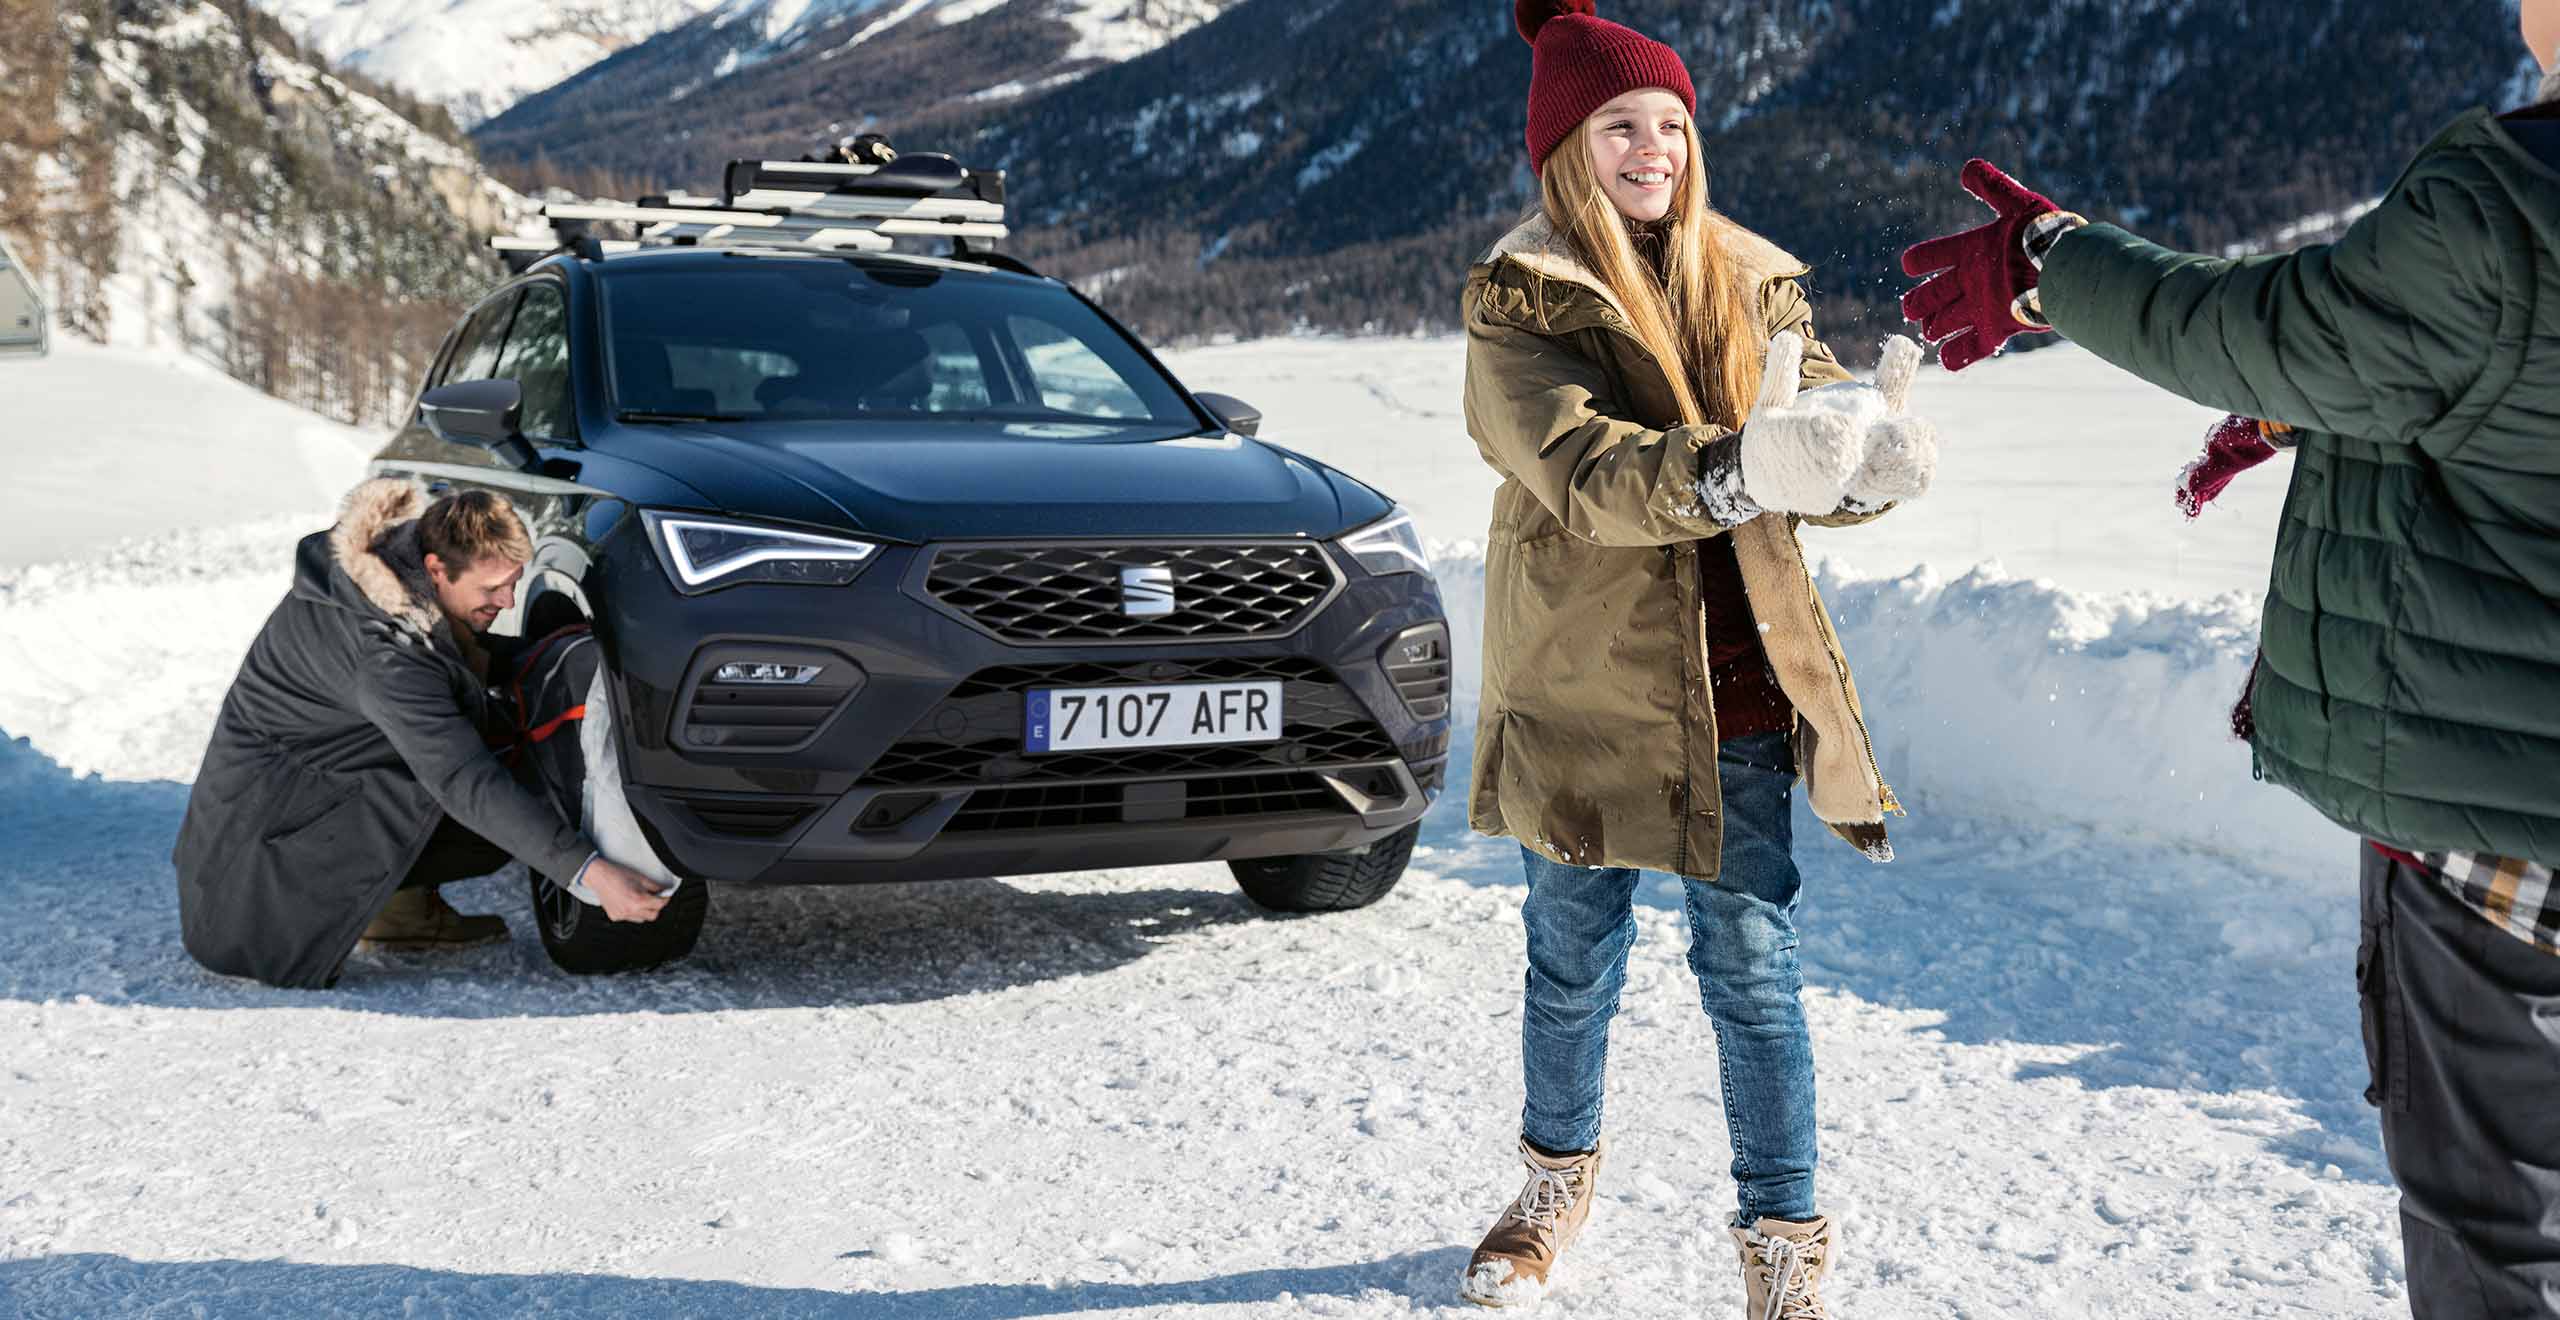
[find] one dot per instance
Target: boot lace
(1549, 1193)
(1790, 1272)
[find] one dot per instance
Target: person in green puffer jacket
(2409, 683)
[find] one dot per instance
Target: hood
(1535, 245)
(924, 481)
(370, 560)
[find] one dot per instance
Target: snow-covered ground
(2087, 1048)
(102, 444)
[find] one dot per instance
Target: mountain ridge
(1345, 187)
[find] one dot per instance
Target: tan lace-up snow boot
(1783, 1266)
(1511, 1264)
(420, 919)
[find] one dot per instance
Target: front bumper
(905, 761)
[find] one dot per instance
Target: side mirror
(1241, 417)
(485, 413)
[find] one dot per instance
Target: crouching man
(357, 763)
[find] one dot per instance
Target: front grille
(1227, 591)
(1052, 806)
(974, 736)
(747, 817)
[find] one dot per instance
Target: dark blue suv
(911, 567)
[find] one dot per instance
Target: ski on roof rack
(837, 205)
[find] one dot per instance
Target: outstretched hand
(1969, 304)
(1799, 447)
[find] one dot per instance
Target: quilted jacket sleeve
(2374, 336)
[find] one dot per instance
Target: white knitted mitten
(1902, 450)
(1801, 447)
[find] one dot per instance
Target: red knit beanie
(1584, 62)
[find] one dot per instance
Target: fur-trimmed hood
(375, 543)
(1535, 245)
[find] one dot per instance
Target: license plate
(1158, 715)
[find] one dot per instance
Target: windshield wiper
(653, 415)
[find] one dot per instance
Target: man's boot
(419, 918)
(1783, 1266)
(1510, 1267)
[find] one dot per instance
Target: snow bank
(2001, 699)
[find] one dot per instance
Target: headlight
(1389, 545)
(703, 554)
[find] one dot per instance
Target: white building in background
(22, 317)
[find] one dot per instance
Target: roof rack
(804, 205)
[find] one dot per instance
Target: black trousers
(2462, 1032)
(453, 853)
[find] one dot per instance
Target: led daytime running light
(1393, 537)
(774, 544)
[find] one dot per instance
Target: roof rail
(824, 206)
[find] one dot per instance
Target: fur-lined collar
(2549, 91)
(376, 545)
(1536, 245)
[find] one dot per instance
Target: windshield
(783, 338)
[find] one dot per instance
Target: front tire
(580, 938)
(1328, 882)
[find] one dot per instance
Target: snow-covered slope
(780, 77)
(237, 166)
(476, 57)
(1105, 30)
(104, 444)
(2087, 1048)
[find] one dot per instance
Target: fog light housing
(1417, 662)
(767, 673)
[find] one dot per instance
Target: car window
(832, 337)
(1069, 374)
(477, 357)
(959, 373)
(536, 357)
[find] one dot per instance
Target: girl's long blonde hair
(1694, 320)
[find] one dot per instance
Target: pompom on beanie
(1583, 62)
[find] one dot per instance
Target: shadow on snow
(91, 1284)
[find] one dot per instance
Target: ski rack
(805, 206)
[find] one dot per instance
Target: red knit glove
(1968, 305)
(2234, 445)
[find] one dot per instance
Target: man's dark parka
(355, 724)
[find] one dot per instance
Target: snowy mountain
(475, 57)
(783, 76)
(204, 185)
(1303, 165)
(1351, 183)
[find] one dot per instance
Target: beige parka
(1595, 735)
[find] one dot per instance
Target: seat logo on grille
(1146, 592)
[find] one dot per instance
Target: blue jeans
(1742, 945)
